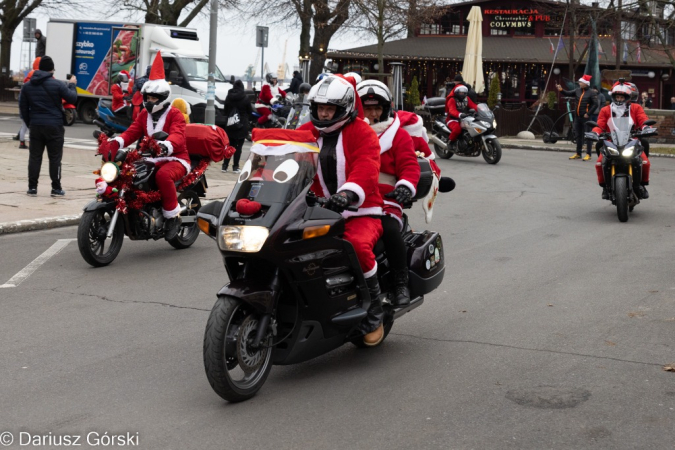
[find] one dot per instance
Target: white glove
(273, 101)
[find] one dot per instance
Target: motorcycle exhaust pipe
(438, 142)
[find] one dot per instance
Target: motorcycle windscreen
(619, 128)
(483, 113)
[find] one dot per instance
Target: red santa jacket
(452, 110)
(413, 124)
(172, 122)
(358, 167)
(267, 93)
(637, 113)
(398, 161)
(118, 101)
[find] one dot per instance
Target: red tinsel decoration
(194, 174)
(150, 145)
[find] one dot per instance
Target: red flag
(639, 53)
(552, 49)
(613, 47)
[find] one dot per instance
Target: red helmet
(622, 90)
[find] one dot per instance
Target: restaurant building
(520, 41)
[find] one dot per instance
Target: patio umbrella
(472, 72)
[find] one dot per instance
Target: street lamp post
(210, 113)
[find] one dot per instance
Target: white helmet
(355, 76)
(334, 91)
(373, 92)
(462, 91)
(620, 89)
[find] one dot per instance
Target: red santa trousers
(646, 167)
(266, 113)
(455, 130)
(363, 232)
(168, 172)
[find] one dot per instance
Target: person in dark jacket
(587, 105)
(238, 101)
(41, 46)
(41, 108)
(295, 83)
(459, 81)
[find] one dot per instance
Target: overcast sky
(236, 44)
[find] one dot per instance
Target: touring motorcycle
(622, 163)
(477, 134)
(109, 122)
(129, 204)
(296, 289)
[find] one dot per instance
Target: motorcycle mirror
(446, 184)
(160, 136)
(648, 122)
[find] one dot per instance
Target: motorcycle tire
(546, 137)
(71, 116)
(621, 194)
(443, 153)
(358, 342)
(223, 339)
(91, 237)
(189, 232)
(494, 154)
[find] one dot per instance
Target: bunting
(613, 47)
(639, 53)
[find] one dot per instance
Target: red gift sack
(207, 141)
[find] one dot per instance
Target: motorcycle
(70, 112)
(622, 163)
(296, 289)
(131, 204)
(109, 122)
(280, 111)
(298, 115)
(477, 135)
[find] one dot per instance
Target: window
(430, 28)
(628, 30)
(525, 31)
(451, 24)
(498, 32)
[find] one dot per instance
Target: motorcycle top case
(206, 141)
(435, 105)
(426, 261)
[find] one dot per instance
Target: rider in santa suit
(174, 161)
(349, 164)
(120, 91)
(457, 107)
(268, 96)
(399, 175)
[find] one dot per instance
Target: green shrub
(494, 90)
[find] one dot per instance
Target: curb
(39, 224)
(561, 149)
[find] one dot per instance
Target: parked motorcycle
(109, 122)
(622, 163)
(477, 135)
(296, 289)
(70, 112)
(131, 205)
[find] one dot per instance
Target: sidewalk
(9, 108)
(19, 212)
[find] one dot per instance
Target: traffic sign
(29, 27)
(261, 34)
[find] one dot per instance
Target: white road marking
(36, 263)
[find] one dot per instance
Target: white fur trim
(119, 140)
(326, 192)
(151, 128)
(380, 127)
(371, 272)
(372, 211)
(185, 164)
(156, 87)
(341, 161)
(387, 138)
(355, 188)
(169, 146)
(407, 184)
(417, 129)
(171, 214)
(390, 203)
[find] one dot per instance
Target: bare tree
(168, 12)
(12, 13)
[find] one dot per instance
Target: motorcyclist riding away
(269, 95)
(399, 175)
(457, 107)
(621, 106)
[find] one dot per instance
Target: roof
(524, 49)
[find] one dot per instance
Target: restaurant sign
(517, 18)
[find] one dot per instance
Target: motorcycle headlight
(109, 172)
(627, 153)
(249, 239)
(494, 123)
(612, 151)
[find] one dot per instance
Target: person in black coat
(295, 83)
(237, 101)
(41, 46)
(40, 105)
(587, 106)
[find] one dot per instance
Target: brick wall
(665, 123)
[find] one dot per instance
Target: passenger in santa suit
(349, 164)
(621, 106)
(413, 124)
(174, 161)
(120, 91)
(457, 107)
(399, 175)
(268, 96)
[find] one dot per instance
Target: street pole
(262, 68)
(619, 44)
(210, 114)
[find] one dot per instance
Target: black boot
(605, 194)
(644, 194)
(401, 291)
(172, 227)
(375, 313)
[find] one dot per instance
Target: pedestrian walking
(41, 46)
(295, 83)
(237, 110)
(587, 105)
(40, 104)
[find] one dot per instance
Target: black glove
(462, 115)
(401, 194)
(164, 150)
(341, 201)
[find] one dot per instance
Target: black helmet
(269, 77)
(304, 88)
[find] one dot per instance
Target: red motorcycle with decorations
(128, 202)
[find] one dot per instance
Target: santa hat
(586, 79)
(157, 83)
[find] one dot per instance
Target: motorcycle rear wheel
(492, 151)
(91, 237)
(621, 193)
(71, 116)
(443, 153)
(229, 329)
(189, 232)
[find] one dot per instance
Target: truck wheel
(87, 111)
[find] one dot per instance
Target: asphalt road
(550, 330)
(79, 135)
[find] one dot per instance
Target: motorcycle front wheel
(444, 153)
(621, 193)
(189, 232)
(235, 371)
(92, 237)
(492, 151)
(71, 116)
